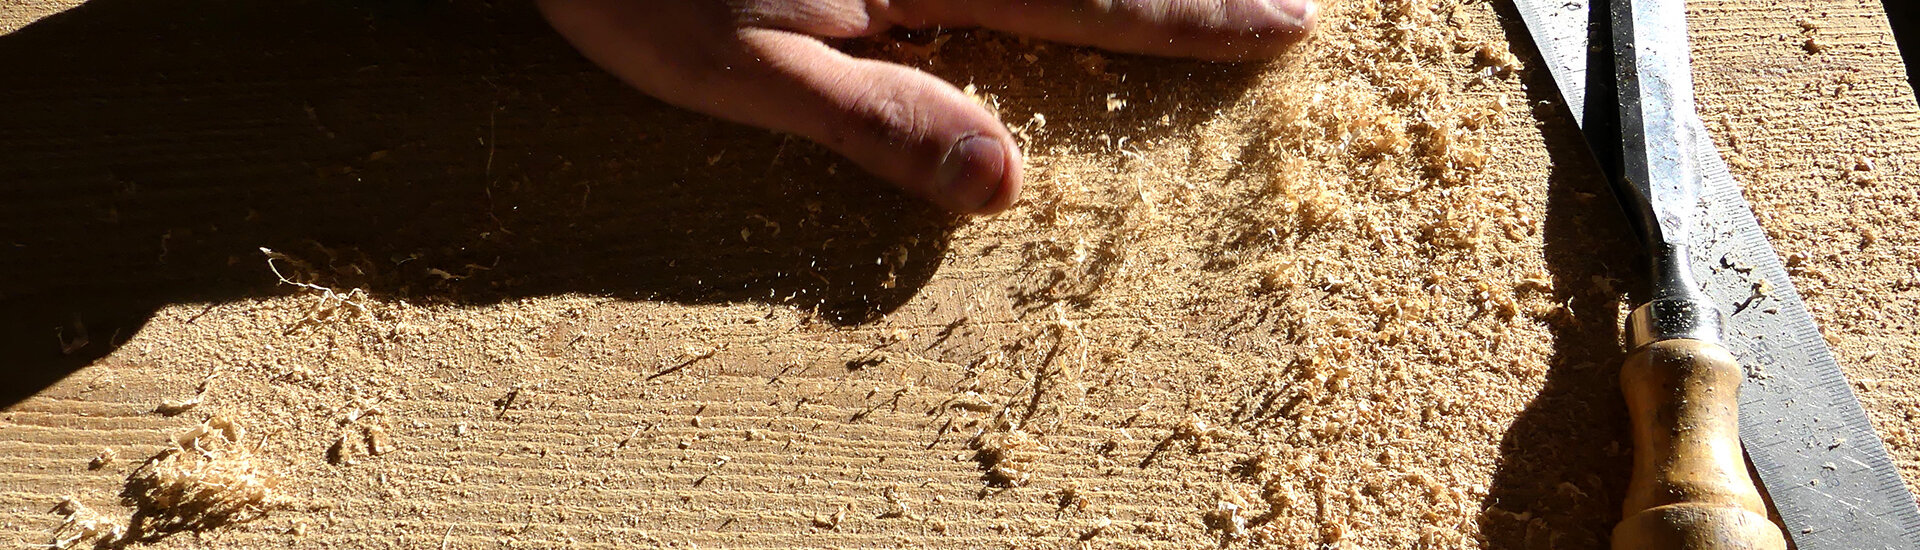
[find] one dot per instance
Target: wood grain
(590, 320)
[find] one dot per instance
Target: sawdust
(177, 407)
(1348, 299)
(208, 480)
(82, 527)
(1366, 226)
(104, 459)
(1005, 456)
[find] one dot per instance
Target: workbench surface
(460, 289)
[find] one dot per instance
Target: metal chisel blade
(1822, 465)
(1653, 76)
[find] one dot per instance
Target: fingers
(903, 125)
(1204, 29)
(750, 61)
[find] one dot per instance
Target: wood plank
(584, 318)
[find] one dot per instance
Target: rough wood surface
(1366, 296)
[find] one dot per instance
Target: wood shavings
(378, 443)
(1496, 58)
(1225, 519)
(1814, 45)
(363, 433)
(923, 51)
(331, 301)
(1098, 528)
(103, 459)
(1278, 277)
(174, 407)
(1004, 456)
(1811, 41)
(972, 402)
(896, 503)
(209, 479)
(988, 100)
(830, 522)
(81, 527)
(1193, 284)
(1197, 431)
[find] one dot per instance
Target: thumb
(900, 124)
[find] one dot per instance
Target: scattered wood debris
(363, 433)
(174, 407)
(81, 527)
(513, 397)
(1098, 528)
(1005, 456)
(103, 459)
(377, 441)
(1071, 498)
(830, 522)
(896, 503)
(1225, 518)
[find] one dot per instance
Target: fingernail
(973, 172)
(1301, 11)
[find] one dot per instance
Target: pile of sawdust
(1355, 277)
(1005, 457)
(209, 479)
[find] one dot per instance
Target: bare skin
(761, 62)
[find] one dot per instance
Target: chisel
(1690, 487)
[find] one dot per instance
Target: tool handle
(1690, 488)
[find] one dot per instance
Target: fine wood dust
(1359, 297)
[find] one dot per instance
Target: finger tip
(1297, 15)
(1260, 30)
(1010, 183)
(1294, 20)
(980, 174)
(1312, 18)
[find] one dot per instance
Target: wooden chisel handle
(1690, 488)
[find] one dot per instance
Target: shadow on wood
(1565, 461)
(425, 151)
(430, 153)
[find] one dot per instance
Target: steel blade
(1822, 465)
(1653, 92)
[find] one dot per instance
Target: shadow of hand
(158, 152)
(458, 154)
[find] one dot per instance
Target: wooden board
(572, 316)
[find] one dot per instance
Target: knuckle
(890, 114)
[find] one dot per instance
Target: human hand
(760, 62)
